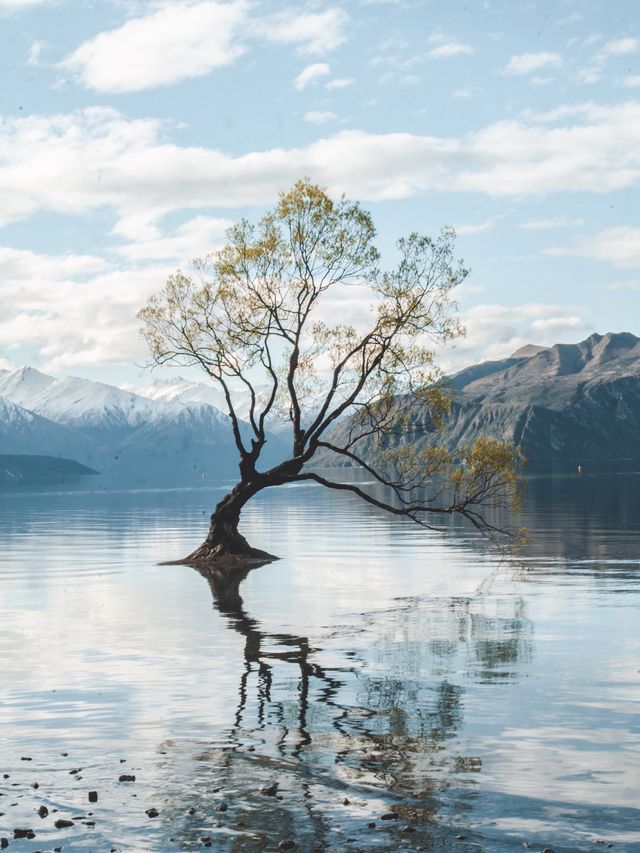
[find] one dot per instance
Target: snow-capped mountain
(183, 391)
(77, 402)
(173, 435)
(24, 432)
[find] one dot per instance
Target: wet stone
(270, 790)
(389, 816)
(25, 758)
(286, 845)
(43, 811)
(191, 812)
(61, 823)
(93, 796)
(152, 812)
(126, 777)
(371, 824)
(222, 807)
(408, 829)
(4, 843)
(35, 786)
(346, 801)
(24, 833)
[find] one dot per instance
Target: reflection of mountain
(317, 751)
(174, 436)
(568, 405)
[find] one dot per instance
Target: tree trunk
(225, 545)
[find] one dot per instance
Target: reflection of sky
(518, 681)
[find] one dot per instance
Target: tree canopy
(266, 318)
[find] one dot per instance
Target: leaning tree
(261, 317)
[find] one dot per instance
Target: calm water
(376, 669)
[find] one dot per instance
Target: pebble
(35, 786)
(61, 823)
(346, 802)
(43, 811)
(222, 807)
(93, 796)
(152, 812)
(24, 833)
(25, 758)
(389, 816)
(191, 811)
(270, 790)
(126, 777)
(371, 824)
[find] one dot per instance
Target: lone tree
(259, 317)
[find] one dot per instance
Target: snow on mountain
(22, 431)
(183, 391)
(74, 401)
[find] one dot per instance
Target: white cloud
(624, 286)
(94, 158)
(544, 224)
(632, 81)
(340, 83)
(619, 47)
(448, 49)
(10, 6)
(73, 309)
(311, 74)
(496, 331)
(320, 116)
(619, 246)
(589, 75)
(17, 265)
(35, 52)
(477, 228)
(193, 239)
(175, 42)
(311, 32)
(526, 63)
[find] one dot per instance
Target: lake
(380, 687)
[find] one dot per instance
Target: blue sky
(133, 133)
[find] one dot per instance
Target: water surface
(376, 669)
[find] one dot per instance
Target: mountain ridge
(563, 406)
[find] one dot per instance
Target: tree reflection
(316, 752)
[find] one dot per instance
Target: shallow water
(376, 669)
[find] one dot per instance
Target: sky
(132, 134)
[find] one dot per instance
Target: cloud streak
(96, 157)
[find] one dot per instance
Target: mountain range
(167, 433)
(564, 406)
